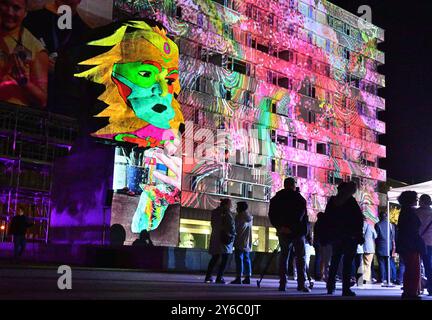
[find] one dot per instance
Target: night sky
(408, 92)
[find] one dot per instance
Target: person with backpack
(424, 213)
(243, 243)
(345, 233)
(221, 240)
(288, 214)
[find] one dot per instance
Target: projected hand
(174, 163)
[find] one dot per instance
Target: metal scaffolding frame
(30, 141)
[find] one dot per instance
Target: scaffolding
(30, 141)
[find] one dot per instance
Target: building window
(309, 64)
(291, 29)
(346, 53)
(215, 58)
(302, 144)
(354, 81)
(327, 70)
(322, 148)
(200, 20)
(282, 140)
(311, 117)
(179, 12)
(273, 135)
(302, 172)
(328, 45)
(273, 107)
(270, 19)
(347, 29)
(269, 77)
(284, 82)
(194, 233)
(310, 12)
(262, 48)
(237, 65)
(310, 38)
(310, 90)
(286, 55)
(228, 31)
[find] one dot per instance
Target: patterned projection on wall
(290, 85)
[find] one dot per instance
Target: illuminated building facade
(272, 89)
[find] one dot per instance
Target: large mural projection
(140, 74)
(274, 89)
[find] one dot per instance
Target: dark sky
(408, 92)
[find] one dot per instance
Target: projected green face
(148, 88)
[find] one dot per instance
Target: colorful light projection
(267, 65)
(140, 74)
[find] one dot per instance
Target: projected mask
(140, 74)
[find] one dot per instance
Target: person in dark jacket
(346, 224)
(321, 230)
(18, 229)
(287, 213)
(144, 240)
(243, 243)
(409, 244)
(221, 240)
(424, 213)
(385, 244)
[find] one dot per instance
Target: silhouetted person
(117, 235)
(243, 243)
(346, 220)
(409, 243)
(369, 235)
(425, 215)
(384, 244)
(144, 240)
(221, 239)
(288, 215)
(322, 238)
(18, 229)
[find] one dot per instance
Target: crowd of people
(341, 233)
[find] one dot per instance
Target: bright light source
(2, 227)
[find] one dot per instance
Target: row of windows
(248, 69)
(328, 149)
(252, 42)
(215, 121)
(255, 13)
(247, 98)
(275, 79)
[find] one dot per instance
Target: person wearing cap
(424, 213)
(243, 243)
(221, 240)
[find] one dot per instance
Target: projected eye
(145, 74)
(170, 81)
